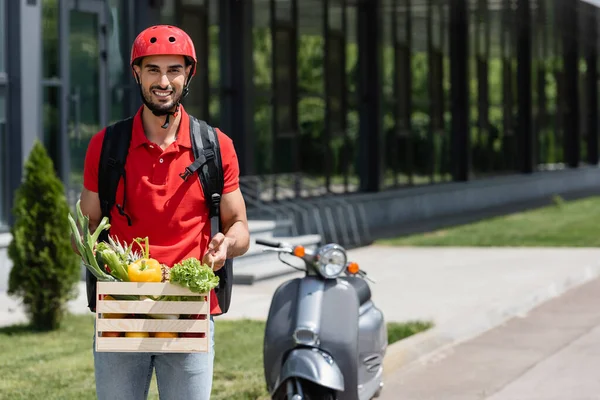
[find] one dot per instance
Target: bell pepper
(145, 270)
(166, 335)
(137, 334)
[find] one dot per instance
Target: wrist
(229, 246)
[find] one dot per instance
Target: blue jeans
(127, 376)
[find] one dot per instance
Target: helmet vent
(171, 39)
(153, 40)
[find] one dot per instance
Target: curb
(425, 345)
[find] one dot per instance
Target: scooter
(324, 338)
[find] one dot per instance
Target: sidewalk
(550, 354)
(464, 291)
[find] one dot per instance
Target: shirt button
(161, 160)
(151, 146)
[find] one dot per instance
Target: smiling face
(162, 80)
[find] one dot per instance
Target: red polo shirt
(170, 211)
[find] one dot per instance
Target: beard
(160, 107)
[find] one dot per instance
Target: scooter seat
(363, 291)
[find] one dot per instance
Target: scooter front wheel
(301, 389)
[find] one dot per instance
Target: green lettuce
(192, 274)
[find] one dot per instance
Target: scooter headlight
(331, 261)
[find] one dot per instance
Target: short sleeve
(92, 160)
(231, 168)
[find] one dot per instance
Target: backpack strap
(208, 165)
(115, 147)
(112, 165)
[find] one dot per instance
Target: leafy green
(192, 274)
(109, 257)
(86, 243)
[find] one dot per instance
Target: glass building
(319, 96)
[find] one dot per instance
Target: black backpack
(207, 164)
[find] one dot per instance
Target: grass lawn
(572, 224)
(58, 365)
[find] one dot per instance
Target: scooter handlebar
(270, 243)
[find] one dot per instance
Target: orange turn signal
(299, 251)
(353, 268)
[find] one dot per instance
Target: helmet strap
(186, 88)
(168, 114)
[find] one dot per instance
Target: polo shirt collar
(138, 138)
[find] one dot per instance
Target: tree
(45, 268)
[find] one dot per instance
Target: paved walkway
(552, 354)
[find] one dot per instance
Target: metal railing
(309, 206)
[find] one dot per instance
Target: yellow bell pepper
(166, 334)
(137, 334)
(145, 270)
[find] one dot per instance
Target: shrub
(45, 269)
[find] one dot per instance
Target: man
(169, 210)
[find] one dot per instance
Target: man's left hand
(217, 252)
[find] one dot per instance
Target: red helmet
(162, 40)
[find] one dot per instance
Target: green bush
(45, 269)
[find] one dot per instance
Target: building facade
(334, 96)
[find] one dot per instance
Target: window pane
(283, 76)
(2, 37)
(262, 85)
(214, 74)
(3, 157)
(194, 2)
(167, 13)
(311, 81)
(194, 20)
(336, 77)
(52, 122)
(283, 10)
(402, 13)
(51, 55)
(336, 16)
(85, 90)
(440, 89)
(352, 124)
(421, 107)
(118, 60)
(335, 69)
(391, 155)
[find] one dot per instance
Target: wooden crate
(133, 318)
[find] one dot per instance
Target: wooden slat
(158, 345)
(144, 288)
(155, 345)
(152, 325)
(152, 307)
